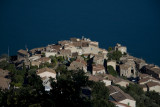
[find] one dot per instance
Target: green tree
(100, 95)
(61, 68)
(116, 55)
(111, 71)
(67, 89)
(35, 81)
(110, 49)
(4, 64)
(72, 59)
(154, 96)
(18, 80)
(60, 59)
(43, 55)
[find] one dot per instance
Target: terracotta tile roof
(65, 51)
(63, 42)
(95, 78)
(44, 59)
(77, 44)
(152, 84)
(73, 39)
(75, 54)
(21, 51)
(85, 44)
(156, 70)
(125, 66)
(78, 64)
(4, 73)
(46, 70)
(116, 79)
(147, 80)
(98, 57)
(117, 94)
(144, 76)
(143, 86)
(94, 45)
(81, 61)
(98, 67)
(37, 49)
(4, 83)
(56, 47)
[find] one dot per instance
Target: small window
(132, 71)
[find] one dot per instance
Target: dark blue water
(36, 23)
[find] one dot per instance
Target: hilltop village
(114, 67)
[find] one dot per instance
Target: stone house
(44, 60)
(53, 47)
(34, 58)
(64, 42)
(75, 55)
(142, 76)
(73, 49)
(104, 52)
(91, 49)
(94, 43)
(98, 59)
(79, 64)
(118, 81)
(40, 61)
(153, 86)
(128, 69)
(52, 50)
(22, 55)
(51, 53)
(46, 83)
(99, 78)
(82, 46)
(37, 50)
(65, 53)
(74, 39)
(149, 83)
(152, 70)
(112, 63)
(46, 74)
(140, 63)
(35, 63)
(117, 95)
(121, 48)
(148, 79)
(98, 69)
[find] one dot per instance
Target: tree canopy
(115, 55)
(111, 71)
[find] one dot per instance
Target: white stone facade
(129, 102)
(47, 74)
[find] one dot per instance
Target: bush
(111, 71)
(116, 55)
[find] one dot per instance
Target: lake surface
(36, 23)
